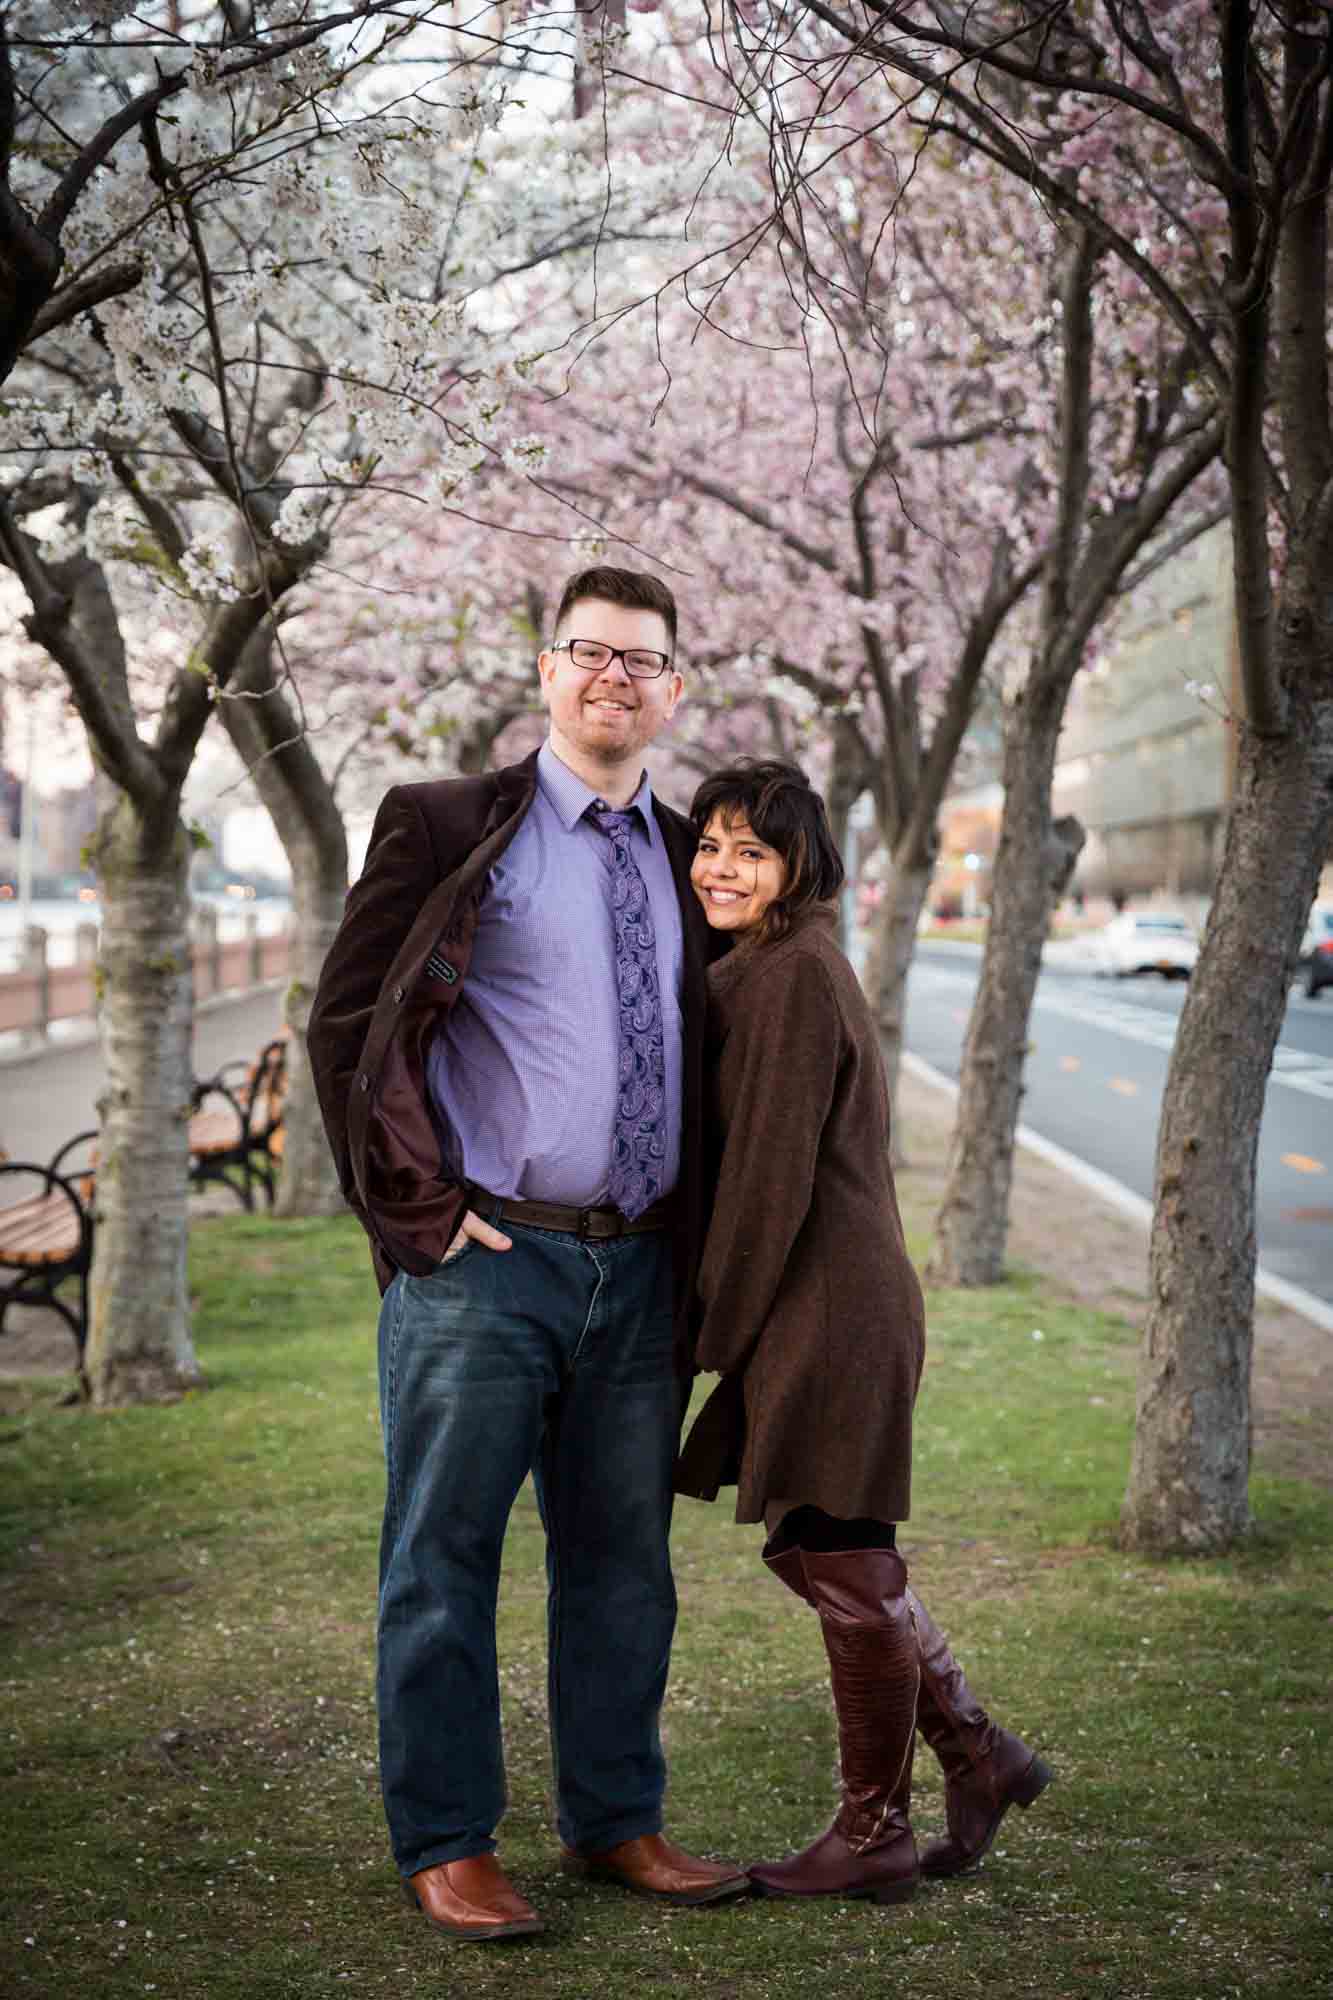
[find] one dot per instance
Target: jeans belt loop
(584, 1215)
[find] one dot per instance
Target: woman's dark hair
(781, 806)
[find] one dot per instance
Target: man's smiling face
(606, 718)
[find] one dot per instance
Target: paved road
(47, 1098)
(1094, 1080)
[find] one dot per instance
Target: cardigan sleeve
(778, 1071)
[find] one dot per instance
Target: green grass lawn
(188, 1766)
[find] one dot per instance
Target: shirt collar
(571, 797)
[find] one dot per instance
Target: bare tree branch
(51, 625)
(1166, 552)
(1076, 343)
(1117, 543)
(956, 41)
(1005, 591)
(83, 293)
(155, 511)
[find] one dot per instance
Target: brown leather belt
(580, 1222)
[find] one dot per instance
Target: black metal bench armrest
(80, 1139)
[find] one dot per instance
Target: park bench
(46, 1235)
(236, 1125)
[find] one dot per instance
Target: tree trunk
(309, 1183)
(139, 1344)
(890, 962)
(846, 781)
(1189, 1472)
(300, 801)
(1034, 860)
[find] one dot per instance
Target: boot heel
(1033, 1783)
(410, 1896)
(896, 1892)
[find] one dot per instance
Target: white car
(1148, 941)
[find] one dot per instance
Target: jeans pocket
(455, 1256)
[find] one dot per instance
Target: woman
(812, 1314)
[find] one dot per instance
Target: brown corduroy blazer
(397, 966)
(811, 1310)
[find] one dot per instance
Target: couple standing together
(608, 1101)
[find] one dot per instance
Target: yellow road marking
(1301, 1163)
(1124, 1086)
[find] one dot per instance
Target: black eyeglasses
(593, 657)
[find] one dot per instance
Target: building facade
(1146, 757)
(1146, 760)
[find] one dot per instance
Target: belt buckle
(585, 1228)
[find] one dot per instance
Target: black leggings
(810, 1528)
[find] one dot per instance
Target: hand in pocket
(473, 1230)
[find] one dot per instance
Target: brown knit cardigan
(810, 1309)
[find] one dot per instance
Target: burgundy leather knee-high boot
(986, 1769)
(874, 1670)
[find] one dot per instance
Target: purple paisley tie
(638, 1149)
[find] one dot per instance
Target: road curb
(1133, 1206)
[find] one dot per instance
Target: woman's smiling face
(735, 876)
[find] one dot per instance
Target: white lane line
(1294, 1069)
(1118, 1196)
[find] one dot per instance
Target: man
(507, 1043)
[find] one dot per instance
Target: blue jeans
(553, 1357)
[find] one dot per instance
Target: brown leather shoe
(654, 1866)
(473, 1900)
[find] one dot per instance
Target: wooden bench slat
(214, 1132)
(42, 1229)
(42, 1247)
(13, 1259)
(49, 1250)
(25, 1217)
(19, 1212)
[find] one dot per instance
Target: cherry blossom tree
(1189, 148)
(248, 260)
(955, 452)
(854, 478)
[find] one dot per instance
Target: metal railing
(45, 989)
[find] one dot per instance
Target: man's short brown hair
(631, 589)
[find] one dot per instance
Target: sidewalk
(50, 1092)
